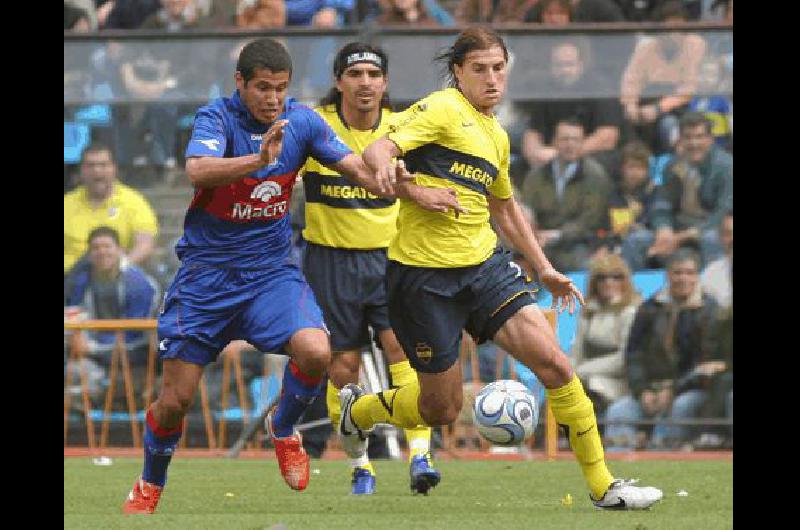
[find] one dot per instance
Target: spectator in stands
(661, 79)
(262, 14)
(562, 12)
(669, 356)
(717, 277)
(689, 205)
(76, 19)
(554, 12)
(568, 197)
(629, 203)
(125, 14)
(638, 10)
(719, 388)
(713, 102)
(111, 288)
(101, 200)
(405, 13)
(598, 353)
(601, 118)
(489, 11)
(176, 15)
(317, 13)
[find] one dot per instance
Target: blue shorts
(207, 307)
(351, 289)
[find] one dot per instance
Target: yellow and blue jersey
(447, 143)
(340, 213)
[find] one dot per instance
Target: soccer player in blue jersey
(236, 280)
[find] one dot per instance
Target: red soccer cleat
(293, 460)
(143, 498)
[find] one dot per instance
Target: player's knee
(175, 405)
(314, 359)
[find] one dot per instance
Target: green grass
(472, 494)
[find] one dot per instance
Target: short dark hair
(571, 120)
(669, 9)
(692, 119)
(263, 53)
(334, 97)
(96, 147)
(684, 254)
(472, 38)
(636, 151)
(104, 231)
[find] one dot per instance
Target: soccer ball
(505, 412)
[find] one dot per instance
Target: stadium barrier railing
(216, 431)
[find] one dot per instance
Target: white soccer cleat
(354, 440)
(623, 495)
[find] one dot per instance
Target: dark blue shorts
(429, 307)
(350, 286)
(207, 307)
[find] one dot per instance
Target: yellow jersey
(126, 211)
(447, 143)
(340, 213)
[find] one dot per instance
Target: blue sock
(298, 392)
(159, 444)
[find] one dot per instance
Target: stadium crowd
(613, 186)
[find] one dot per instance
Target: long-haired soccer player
(348, 230)
(446, 272)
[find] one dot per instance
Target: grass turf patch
(222, 493)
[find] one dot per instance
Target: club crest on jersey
(266, 190)
(424, 352)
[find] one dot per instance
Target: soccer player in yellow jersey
(446, 272)
(348, 231)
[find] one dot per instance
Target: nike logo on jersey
(162, 346)
(211, 144)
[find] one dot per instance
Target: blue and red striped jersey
(246, 224)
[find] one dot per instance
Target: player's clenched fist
(272, 142)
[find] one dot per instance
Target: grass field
(221, 493)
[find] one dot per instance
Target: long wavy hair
(612, 264)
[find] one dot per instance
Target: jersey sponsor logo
(471, 172)
(337, 192)
(270, 211)
(257, 137)
(211, 144)
(266, 190)
(466, 124)
(345, 192)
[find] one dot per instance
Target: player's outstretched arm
(379, 157)
(352, 166)
(510, 219)
(211, 171)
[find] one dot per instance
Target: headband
(361, 57)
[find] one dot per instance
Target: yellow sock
(573, 410)
(418, 439)
(335, 413)
(334, 407)
(398, 406)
